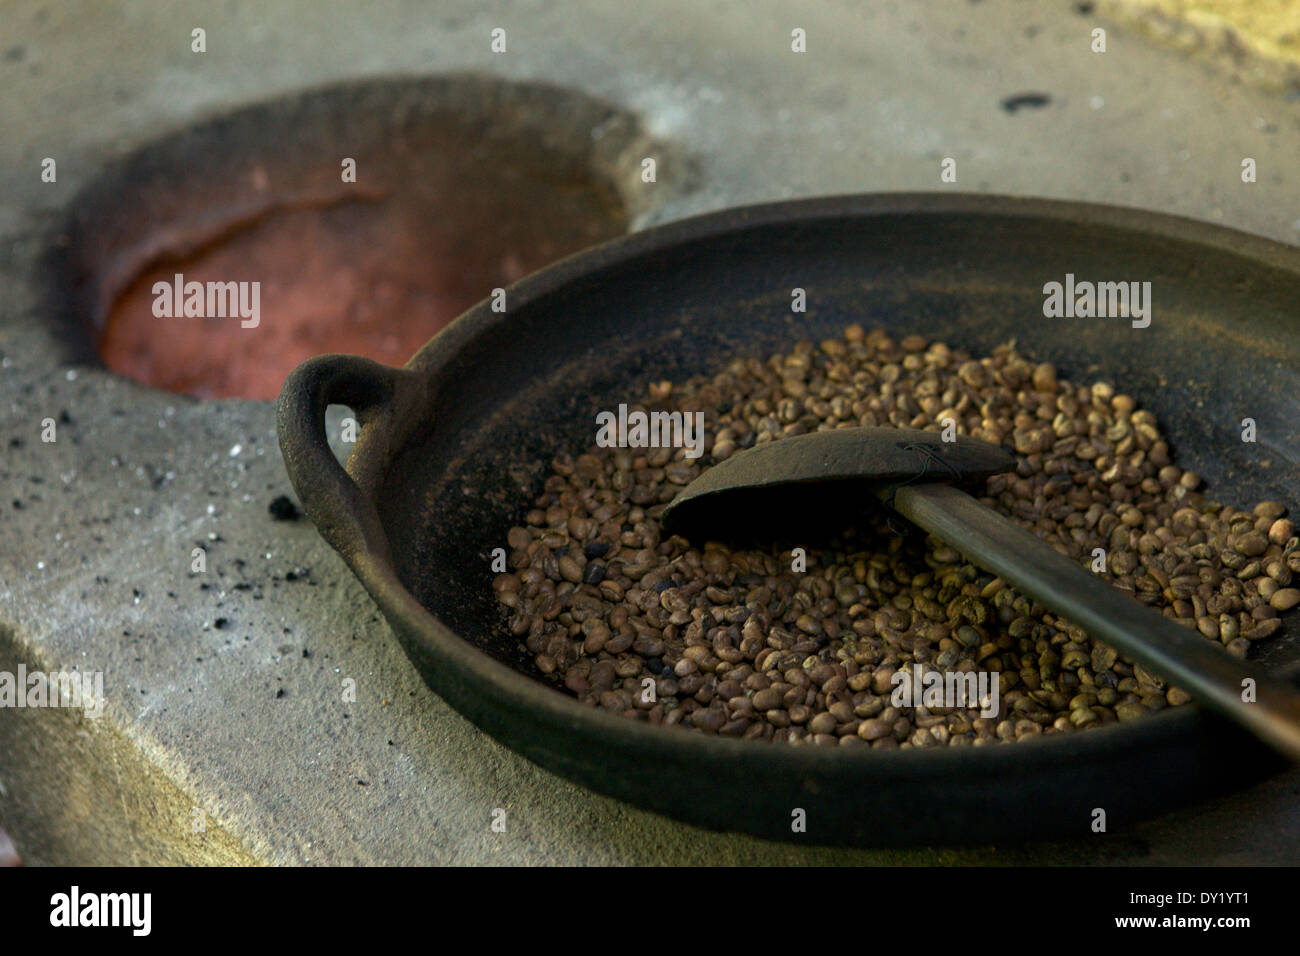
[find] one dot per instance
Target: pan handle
(345, 517)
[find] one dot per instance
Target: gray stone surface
(94, 568)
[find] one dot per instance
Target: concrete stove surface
(225, 736)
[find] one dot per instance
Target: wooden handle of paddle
(1178, 654)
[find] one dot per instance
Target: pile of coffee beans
(740, 643)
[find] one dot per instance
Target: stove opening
(359, 219)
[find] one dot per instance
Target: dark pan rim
(452, 655)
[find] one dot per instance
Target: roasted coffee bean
(739, 643)
(1285, 599)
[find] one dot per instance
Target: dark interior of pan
(509, 391)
